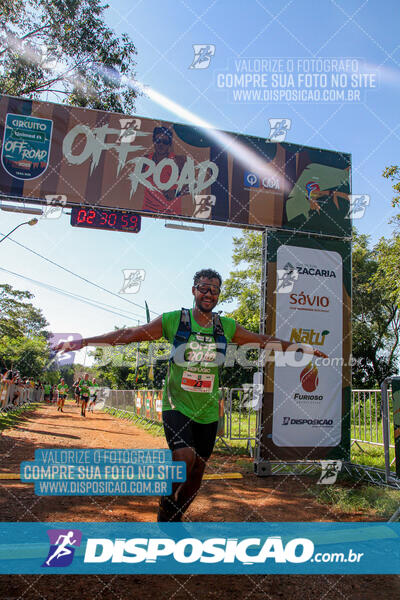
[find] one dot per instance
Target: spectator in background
(47, 389)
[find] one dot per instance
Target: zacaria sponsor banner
(310, 394)
(159, 168)
(308, 302)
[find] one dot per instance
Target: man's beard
(206, 309)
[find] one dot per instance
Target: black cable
(79, 276)
(72, 295)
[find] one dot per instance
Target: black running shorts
(182, 432)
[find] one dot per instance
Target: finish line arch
(299, 195)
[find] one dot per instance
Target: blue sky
(164, 33)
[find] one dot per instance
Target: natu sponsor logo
(308, 336)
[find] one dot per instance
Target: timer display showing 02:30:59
(113, 220)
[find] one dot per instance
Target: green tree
(27, 355)
(23, 338)
(243, 285)
(393, 173)
(65, 47)
(375, 315)
(17, 316)
(117, 366)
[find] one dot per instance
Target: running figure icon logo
(330, 469)
(202, 56)
(286, 279)
(132, 280)
(278, 129)
(62, 547)
(358, 205)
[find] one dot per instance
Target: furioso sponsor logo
(312, 422)
(62, 547)
(304, 301)
(191, 550)
(316, 397)
(309, 378)
(308, 336)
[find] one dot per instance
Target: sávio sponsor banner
(199, 548)
(159, 168)
(308, 301)
(308, 398)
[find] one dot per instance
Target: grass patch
(371, 456)
(11, 419)
(153, 427)
(382, 502)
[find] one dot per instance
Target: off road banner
(307, 398)
(158, 168)
(194, 548)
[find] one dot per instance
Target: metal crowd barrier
(368, 415)
(14, 396)
(143, 406)
(240, 418)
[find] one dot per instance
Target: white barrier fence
(240, 416)
(367, 418)
(13, 396)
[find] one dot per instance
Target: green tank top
(192, 388)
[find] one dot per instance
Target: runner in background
(54, 394)
(85, 393)
(93, 394)
(47, 390)
(77, 392)
(62, 394)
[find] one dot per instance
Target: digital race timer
(102, 218)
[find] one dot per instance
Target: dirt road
(250, 498)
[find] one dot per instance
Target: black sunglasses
(164, 141)
(204, 288)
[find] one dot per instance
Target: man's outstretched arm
(150, 331)
(244, 336)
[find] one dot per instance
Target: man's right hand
(71, 346)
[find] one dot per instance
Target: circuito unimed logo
(62, 547)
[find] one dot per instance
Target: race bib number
(197, 382)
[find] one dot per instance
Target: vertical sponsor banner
(396, 420)
(148, 405)
(306, 409)
(139, 403)
(158, 397)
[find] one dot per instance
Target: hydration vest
(185, 330)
